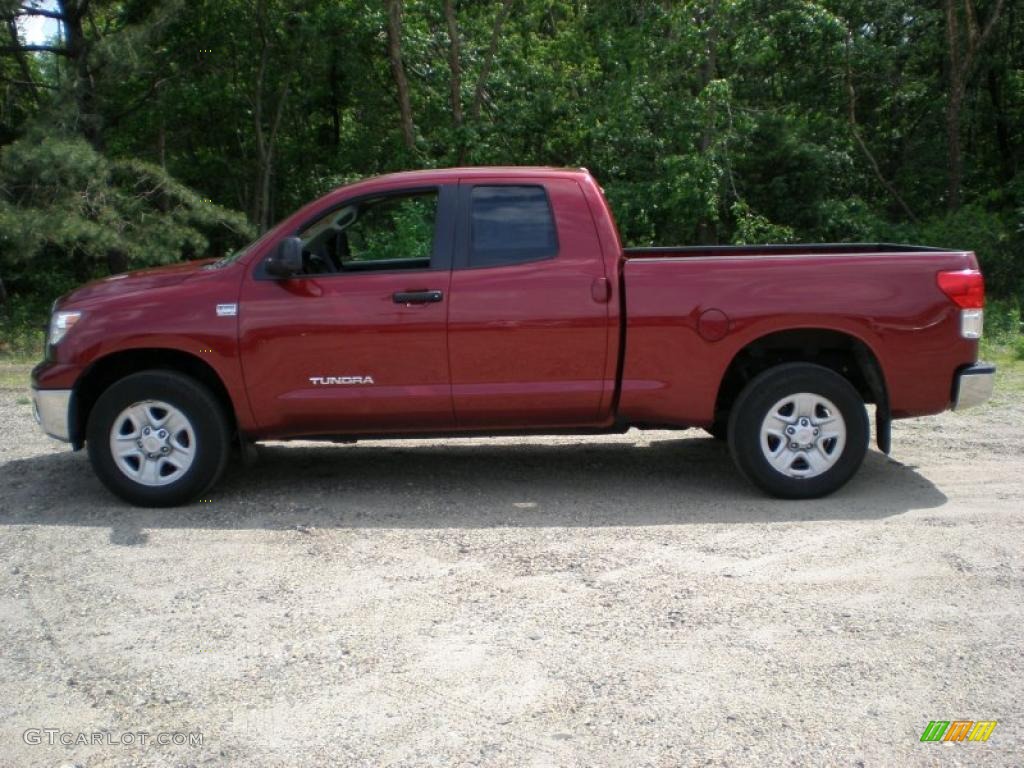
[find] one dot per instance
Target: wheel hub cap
(803, 435)
(152, 442)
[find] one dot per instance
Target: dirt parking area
(621, 601)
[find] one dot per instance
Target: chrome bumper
(973, 385)
(52, 409)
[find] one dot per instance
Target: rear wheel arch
(846, 354)
(102, 373)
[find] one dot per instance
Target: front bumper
(973, 385)
(52, 409)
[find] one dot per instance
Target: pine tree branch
(56, 15)
(35, 49)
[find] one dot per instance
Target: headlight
(61, 323)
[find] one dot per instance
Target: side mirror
(286, 260)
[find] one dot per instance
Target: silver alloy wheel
(153, 443)
(803, 435)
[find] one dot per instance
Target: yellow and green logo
(958, 730)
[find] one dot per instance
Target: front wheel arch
(107, 370)
(160, 396)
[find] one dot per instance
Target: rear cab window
(510, 224)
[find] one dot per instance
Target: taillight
(965, 287)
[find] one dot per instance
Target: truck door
(528, 321)
(357, 343)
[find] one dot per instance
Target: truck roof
(438, 175)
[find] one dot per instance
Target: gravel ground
(622, 601)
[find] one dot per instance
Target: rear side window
(510, 225)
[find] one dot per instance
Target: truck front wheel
(798, 431)
(158, 438)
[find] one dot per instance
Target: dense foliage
(712, 121)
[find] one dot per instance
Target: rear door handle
(417, 297)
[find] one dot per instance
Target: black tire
(719, 430)
(207, 420)
(762, 394)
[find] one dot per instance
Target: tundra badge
(318, 381)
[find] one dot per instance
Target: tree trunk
(954, 158)
(454, 62)
(266, 145)
(266, 138)
(19, 53)
(1007, 161)
(851, 115)
(161, 145)
(266, 175)
(485, 67)
(335, 104)
(954, 161)
(706, 230)
(398, 72)
(961, 67)
(84, 88)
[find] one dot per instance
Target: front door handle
(417, 297)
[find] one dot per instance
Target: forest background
(142, 132)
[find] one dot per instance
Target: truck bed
(691, 310)
(786, 249)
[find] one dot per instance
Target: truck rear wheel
(158, 438)
(798, 431)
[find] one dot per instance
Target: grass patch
(1003, 341)
(22, 330)
(1003, 344)
(22, 346)
(15, 376)
(1009, 374)
(28, 358)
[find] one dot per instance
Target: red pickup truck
(500, 300)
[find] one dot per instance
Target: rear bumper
(973, 385)
(52, 409)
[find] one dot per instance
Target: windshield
(231, 258)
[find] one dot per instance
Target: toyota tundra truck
(484, 301)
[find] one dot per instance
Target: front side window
(393, 232)
(510, 225)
